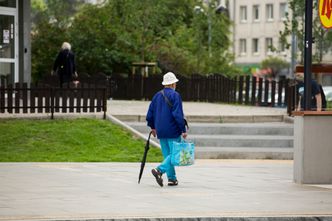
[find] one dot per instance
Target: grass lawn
(70, 140)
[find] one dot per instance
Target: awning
(316, 68)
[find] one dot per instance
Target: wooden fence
(37, 99)
(213, 88)
(92, 92)
(246, 90)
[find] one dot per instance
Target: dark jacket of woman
(65, 66)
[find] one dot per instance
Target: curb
(217, 119)
(137, 133)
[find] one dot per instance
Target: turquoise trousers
(166, 149)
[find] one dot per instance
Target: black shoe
(172, 183)
(156, 173)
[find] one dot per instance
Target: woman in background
(65, 65)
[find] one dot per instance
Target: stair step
(247, 129)
(241, 137)
(243, 153)
(217, 128)
(242, 140)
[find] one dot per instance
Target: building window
(255, 12)
(283, 11)
(282, 47)
(8, 3)
(269, 45)
(269, 12)
(243, 46)
(255, 46)
(243, 13)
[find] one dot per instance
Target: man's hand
(184, 135)
(154, 132)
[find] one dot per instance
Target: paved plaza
(205, 109)
(208, 189)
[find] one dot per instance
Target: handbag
(183, 153)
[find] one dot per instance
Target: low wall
(313, 147)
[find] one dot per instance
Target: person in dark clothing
(316, 98)
(65, 65)
(166, 119)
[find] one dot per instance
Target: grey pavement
(208, 190)
(200, 112)
(194, 108)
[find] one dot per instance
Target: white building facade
(255, 31)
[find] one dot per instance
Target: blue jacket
(168, 121)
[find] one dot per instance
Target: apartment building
(255, 31)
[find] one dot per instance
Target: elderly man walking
(166, 119)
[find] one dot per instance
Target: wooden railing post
(104, 102)
(260, 91)
(17, 92)
(52, 102)
(273, 93)
(10, 98)
(247, 90)
(25, 97)
(240, 100)
(280, 88)
(2, 99)
(78, 98)
(266, 92)
(291, 97)
(253, 90)
(40, 99)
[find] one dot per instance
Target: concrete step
(241, 140)
(277, 153)
(230, 128)
(243, 128)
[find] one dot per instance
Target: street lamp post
(209, 31)
(293, 53)
(198, 9)
(307, 54)
(220, 9)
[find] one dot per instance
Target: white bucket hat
(169, 78)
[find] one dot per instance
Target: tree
(108, 38)
(201, 45)
(96, 41)
(295, 23)
(275, 64)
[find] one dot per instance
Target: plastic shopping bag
(183, 153)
